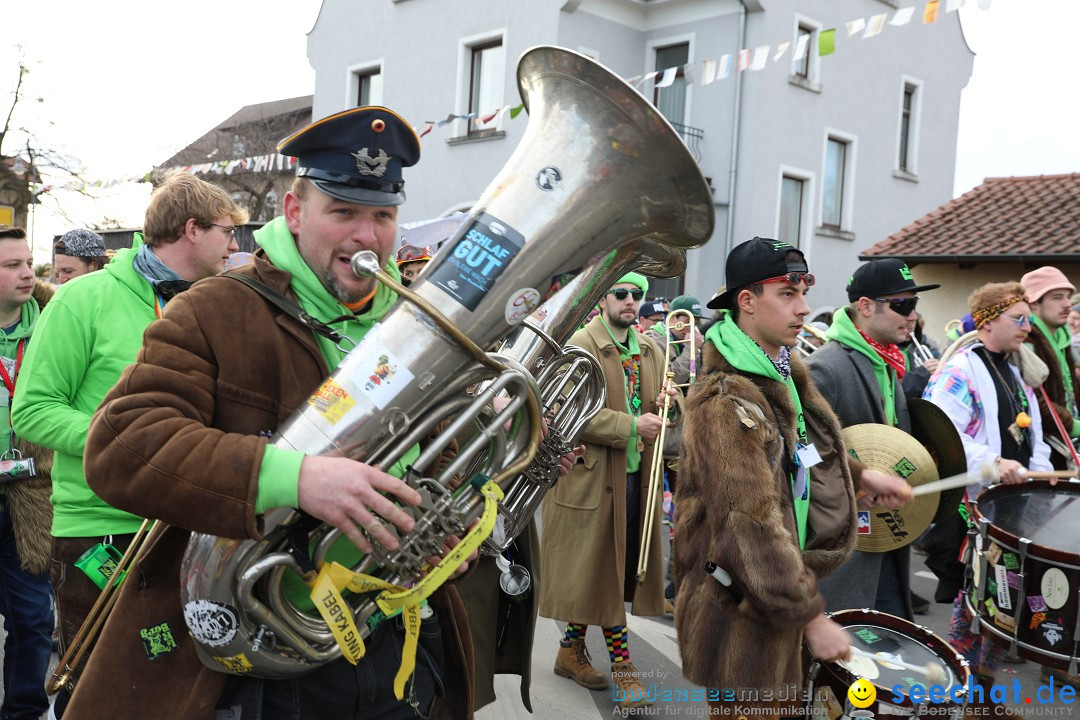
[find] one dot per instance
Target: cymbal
(933, 428)
(893, 452)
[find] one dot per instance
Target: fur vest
(31, 510)
(1055, 388)
(734, 509)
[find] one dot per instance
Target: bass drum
(1024, 580)
(888, 638)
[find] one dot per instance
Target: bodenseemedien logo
(862, 693)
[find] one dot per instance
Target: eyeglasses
(900, 306)
(621, 293)
(230, 230)
(792, 278)
(1019, 321)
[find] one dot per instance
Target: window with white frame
(908, 142)
(838, 178)
(804, 61)
(671, 100)
(487, 69)
(364, 84)
(790, 225)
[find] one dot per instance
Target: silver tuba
(599, 177)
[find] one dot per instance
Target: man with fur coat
(766, 501)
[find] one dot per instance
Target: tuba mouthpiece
(364, 264)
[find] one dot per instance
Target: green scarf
(1061, 341)
(632, 348)
(280, 246)
(744, 354)
(843, 331)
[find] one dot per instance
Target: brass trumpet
(657, 469)
(99, 613)
(803, 346)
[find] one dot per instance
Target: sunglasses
(410, 253)
(621, 293)
(900, 306)
(792, 278)
(1019, 321)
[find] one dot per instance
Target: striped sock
(618, 643)
(573, 632)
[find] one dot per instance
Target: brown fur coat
(734, 509)
(31, 510)
(1055, 388)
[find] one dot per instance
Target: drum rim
(934, 642)
(1043, 552)
(1004, 640)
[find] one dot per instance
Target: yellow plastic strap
(389, 602)
(334, 577)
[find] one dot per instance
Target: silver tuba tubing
(598, 169)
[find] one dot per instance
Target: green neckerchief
(744, 354)
(1061, 341)
(843, 331)
(632, 348)
(280, 246)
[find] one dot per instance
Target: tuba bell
(599, 178)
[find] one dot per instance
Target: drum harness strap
(294, 310)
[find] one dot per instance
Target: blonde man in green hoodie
(87, 335)
(859, 371)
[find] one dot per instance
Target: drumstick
(934, 673)
(965, 479)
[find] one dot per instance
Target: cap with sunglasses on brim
(758, 260)
(356, 155)
(411, 253)
(879, 278)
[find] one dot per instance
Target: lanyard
(800, 496)
(9, 380)
(158, 302)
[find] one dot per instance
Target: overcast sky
(125, 84)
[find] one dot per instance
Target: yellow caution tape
(334, 577)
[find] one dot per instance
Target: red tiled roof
(1003, 220)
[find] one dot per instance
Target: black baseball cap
(753, 261)
(878, 278)
(652, 307)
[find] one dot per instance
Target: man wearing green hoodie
(859, 371)
(24, 595)
(87, 335)
(184, 437)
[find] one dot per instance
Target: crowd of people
(133, 392)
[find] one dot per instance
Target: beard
(617, 321)
(342, 293)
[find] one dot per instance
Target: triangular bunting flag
(855, 26)
(902, 16)
(515, 111)
(761, 58)
(801, 46)
(427, 128)
(876, 25)
(780, 50)
(826, 42)
(930, 12)
(708, 72)
(744, 60)
(669, 77)
(725, 65)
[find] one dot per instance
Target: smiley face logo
(862, 693)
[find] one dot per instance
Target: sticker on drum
(884, 657)
(862, 666)
(993, 553)
(1002, 578)
(1055, 588)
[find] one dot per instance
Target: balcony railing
(692, 136)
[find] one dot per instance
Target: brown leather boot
(573, 662)
(629, 692)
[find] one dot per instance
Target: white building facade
(831, 153)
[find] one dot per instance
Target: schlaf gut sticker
(1055, 588)
(477, 259)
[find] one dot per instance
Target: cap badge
(368, 165)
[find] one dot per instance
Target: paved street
(654, 650)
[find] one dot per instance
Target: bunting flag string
(706, 73)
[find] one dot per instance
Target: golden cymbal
(893, 452)
(933, 428)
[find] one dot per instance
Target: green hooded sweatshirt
(1061, 341)
(88, 333)
(843, 331)
(9, 348)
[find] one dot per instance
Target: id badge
(808, 455)
(800, 489)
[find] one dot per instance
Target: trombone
(99, 613)
(920, 354)
(657, 468)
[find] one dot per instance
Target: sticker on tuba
(476, 260)
(520, 304)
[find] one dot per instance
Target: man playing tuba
(182, 438)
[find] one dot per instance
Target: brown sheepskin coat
(1055, 388)
(734, 509)
(31, 510)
